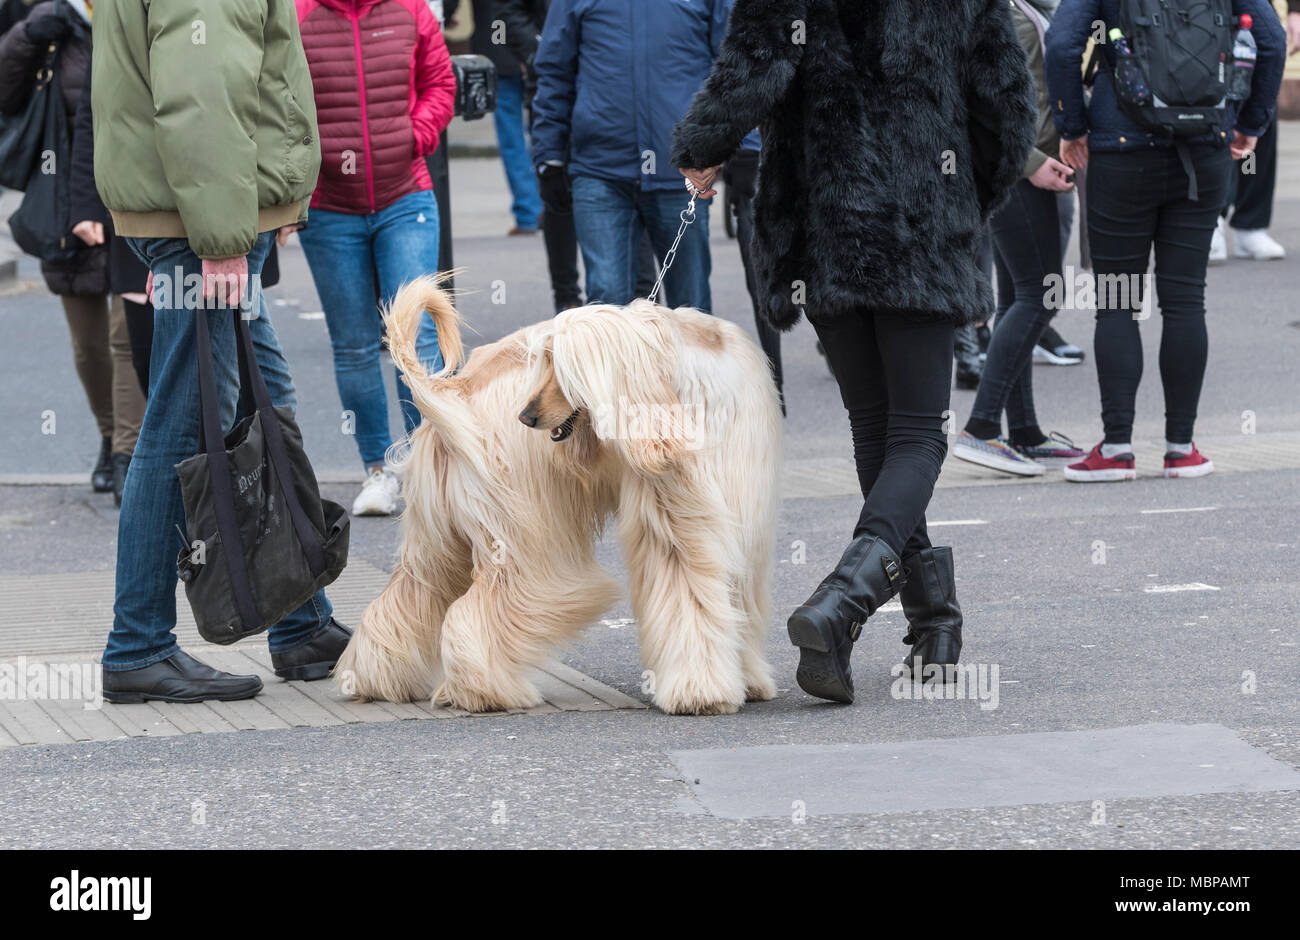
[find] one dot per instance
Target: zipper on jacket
(365, 121)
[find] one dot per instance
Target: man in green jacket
(205, 145)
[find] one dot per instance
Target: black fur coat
(889, 133)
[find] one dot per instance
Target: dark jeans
(1250, 195)
(1027, 239)
(894, 376)
(1138, 199)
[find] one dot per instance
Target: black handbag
(42, 225)
(22, 133)
(261, 541)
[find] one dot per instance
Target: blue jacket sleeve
(1066, 39)
(1256, 112)
(556, 65)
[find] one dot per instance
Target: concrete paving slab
(1142, 761)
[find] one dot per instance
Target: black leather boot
(179, 678)
(930, 602)
(101, 478)
(121, 463)
(826, 625)
(315, 658)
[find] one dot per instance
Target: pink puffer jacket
(384, 93)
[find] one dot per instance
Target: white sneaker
(1219, 243)
(378, 496)
(1256, 244)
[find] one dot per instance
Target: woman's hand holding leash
(702, 181)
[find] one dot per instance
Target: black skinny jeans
(1027, 238)
(1137, 199)
(895, 379)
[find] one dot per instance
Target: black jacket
(890, 132)
(87, 272)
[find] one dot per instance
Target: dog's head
(596, 366)
(547, 408)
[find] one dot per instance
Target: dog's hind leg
(508, 623)
(754, 590)
(393, 655)
(691, 626)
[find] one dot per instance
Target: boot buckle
(855, 631)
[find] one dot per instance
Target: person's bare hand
(702, 180)
(225, 279)
(1292, 33)
(1053, 175)
(282, 236)
(1241, 144)
(92, 233)
(1075, 152)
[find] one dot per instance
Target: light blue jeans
(359, 262)
(509, 119)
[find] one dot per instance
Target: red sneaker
(1194, 464)
(1098, 469)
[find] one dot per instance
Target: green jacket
(205, 122)
(1048, 143)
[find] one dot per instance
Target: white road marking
(931, 525)
(1175, 588)
(1152, 512)
(312, 315)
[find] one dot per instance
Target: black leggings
(1138, 199)
(894, 376)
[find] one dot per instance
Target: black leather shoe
(179, 678)
(315, 658)
(121, 463)
(826, 625)
(101, 478)
(930, 602)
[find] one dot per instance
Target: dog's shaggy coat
(891, 128)
(673, 427)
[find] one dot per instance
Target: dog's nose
(529, 419)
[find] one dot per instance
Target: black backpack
(1183, 53)
(1175, 81)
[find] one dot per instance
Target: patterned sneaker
(996, 454)
(1098, 469)
(1056, 447)
(1194, 464)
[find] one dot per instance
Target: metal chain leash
(687, 216)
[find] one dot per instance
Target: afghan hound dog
(666, 420)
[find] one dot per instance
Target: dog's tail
(405, 315)
(439, 395)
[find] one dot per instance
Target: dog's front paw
(760, 689)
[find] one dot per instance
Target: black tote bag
(22, 133)
(42, 225)
(261, 540)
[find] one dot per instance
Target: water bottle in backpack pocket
(1244, 53)
(1130, 82)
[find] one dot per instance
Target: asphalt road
(1079, 644)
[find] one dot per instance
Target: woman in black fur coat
(890, 131)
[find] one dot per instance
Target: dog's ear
(621, 368)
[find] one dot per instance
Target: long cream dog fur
(667, 420)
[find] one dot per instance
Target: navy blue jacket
(1110, 128)
(613, 79)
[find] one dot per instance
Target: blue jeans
(357, 263)
(144, 613)
(509, 119)
(610, 216)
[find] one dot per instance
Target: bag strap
(223, 497)
(273, 434)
